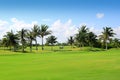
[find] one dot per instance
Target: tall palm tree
(106, 34)
(51, 40)
(71, 41)
(35, 31)
(22, 34)
(81, 36)
(30, 39)
(43, 31)
(12, 39)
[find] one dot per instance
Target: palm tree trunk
(71, 46)
(22, 47)
(31, 46)
(36, 44)
(42, 44)
(10, 47)
(106, 45)
(14, 48)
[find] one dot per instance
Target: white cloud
(92, 28)
(100, 15)
(3, 27)
(95, 30)
(117, 32)
(15, 25)
(63, 30)
(3, 23)
(18, 24)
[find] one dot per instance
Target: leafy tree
(106, 34)
(43, 31)
(92, 39)
(116, 42)
(51, 40)
(22, 35)
(81, 36)
(5, 42)
(30, 37)
(35, 31)
(71, 40)
(12, 39)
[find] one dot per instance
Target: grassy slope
(61, 65)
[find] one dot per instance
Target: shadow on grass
(62, 50)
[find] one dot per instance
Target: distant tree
(23, 35)
(81, 36)
(116, 43)
(43, 31)
(92, 39)
(106, 34)
(62, 44)
(12, 39)
(51, 40)
(71, 40)
(35, 31)
(30, 37)
(5, 42)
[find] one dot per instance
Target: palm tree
(35, 31)
(12, 39)
(106, 34)
(71, 41)
(51, 40)
(22, 34)
(91, 39)
(81, 36)
(30, 39)
(43, 31)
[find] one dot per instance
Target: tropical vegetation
(83, 38)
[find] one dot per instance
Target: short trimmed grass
(60, 65)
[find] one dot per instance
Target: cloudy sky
(63, 16)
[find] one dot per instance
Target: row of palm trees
(86, 38)
(25, 37)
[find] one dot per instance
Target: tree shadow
(96, 50)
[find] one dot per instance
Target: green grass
(67, 64)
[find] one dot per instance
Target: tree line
(24, 38)
(86, 38)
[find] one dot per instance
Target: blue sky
(94, 13)
(78, 10)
